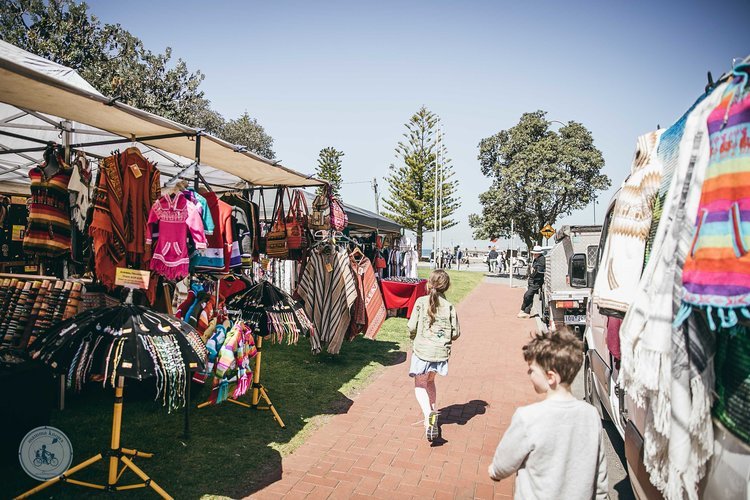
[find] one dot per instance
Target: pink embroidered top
(173, 216)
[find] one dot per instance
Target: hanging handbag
(339, 219)
(276, 239)
(320, 219)
(296, 225)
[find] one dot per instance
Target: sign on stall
(132, 278)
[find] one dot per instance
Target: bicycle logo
(45, 452)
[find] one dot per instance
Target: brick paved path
(374, 450)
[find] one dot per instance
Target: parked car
(567, 287)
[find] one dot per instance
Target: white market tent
(42, 101)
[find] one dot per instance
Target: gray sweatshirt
(556, 448)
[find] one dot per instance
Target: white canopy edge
(29, 82)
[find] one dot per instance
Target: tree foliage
(248, 132)
(537, 175)
(412, 183)
(329, 169)
(117, 64)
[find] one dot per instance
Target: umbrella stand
(258, 390)
(115, 454)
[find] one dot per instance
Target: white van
(728, 473)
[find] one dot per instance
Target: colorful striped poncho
(716, 275)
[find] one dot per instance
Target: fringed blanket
(678, 436)
(626, 243)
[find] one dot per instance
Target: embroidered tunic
(175, 216)
(48, 227)
(328, 289)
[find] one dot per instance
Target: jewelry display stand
(116, 455)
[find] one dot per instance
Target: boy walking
(555, 446)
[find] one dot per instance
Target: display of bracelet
(29, 308)
(403, 279)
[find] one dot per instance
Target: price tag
(18, 233)
(329, 267)
(18, 200)
(132, 278)
(30, 269)
(136, 171)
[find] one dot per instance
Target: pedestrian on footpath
(433, 327)
(555, 446)
(536, 280)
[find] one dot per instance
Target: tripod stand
(115, 454)
(259, 391)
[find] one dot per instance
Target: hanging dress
(174, 216)
(48, 228)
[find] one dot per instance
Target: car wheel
(589, 391)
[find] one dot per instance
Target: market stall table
(398, 294)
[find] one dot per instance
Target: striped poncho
(328, 290)
(716, 275)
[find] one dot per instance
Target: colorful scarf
(626, 243)
(716, 276)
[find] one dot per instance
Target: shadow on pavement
(623, 488)
(462, 413)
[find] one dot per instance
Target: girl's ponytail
(439, 283)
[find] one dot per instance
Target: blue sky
(350, 74)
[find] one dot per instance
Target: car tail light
(566, 304)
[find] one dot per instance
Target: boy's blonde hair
(559, 351)
(439, 282)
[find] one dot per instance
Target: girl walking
(433, 327)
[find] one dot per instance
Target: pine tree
(412, 183)
(329, 169)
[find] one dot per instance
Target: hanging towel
(626, 244)
(674, 461)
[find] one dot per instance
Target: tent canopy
(32, 83)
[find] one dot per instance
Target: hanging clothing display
(369, 310)
(410, 262)
(678, 436)
(329, 292)
(48, 228)
(173, 216)
(631, 221)
(217, 255)
(229, 355)
(200, 202)
(127, 188)
(80, 191)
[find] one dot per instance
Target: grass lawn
(232, 451)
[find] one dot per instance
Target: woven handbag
(296, 222)
(339, 219)
(276, 239)
(320, 216)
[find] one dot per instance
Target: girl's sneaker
(432, 426)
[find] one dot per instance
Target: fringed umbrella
(108, 345)
(273, 312)
(127, 340)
